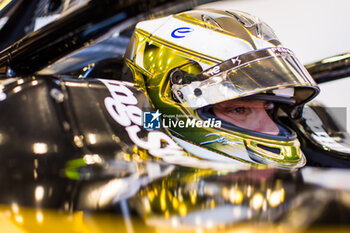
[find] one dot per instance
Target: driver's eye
(239, 110)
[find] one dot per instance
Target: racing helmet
(191, 62)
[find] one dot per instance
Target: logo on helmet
(179, 32)
(214, 70)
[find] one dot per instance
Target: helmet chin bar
(276, 154)
(266, 157)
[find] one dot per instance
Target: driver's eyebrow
(241, 103)
(233, 104)
(230, 107)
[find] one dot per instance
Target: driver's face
(247, 114)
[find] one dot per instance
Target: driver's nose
(263, 122)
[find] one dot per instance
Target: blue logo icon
(151, 120)
(179, 32)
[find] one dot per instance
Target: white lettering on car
(122, 108)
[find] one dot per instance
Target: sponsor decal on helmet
(181, 32)
(219, 139)
(214, 70)
(281, 51)
(244, 59)
(236, 60)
